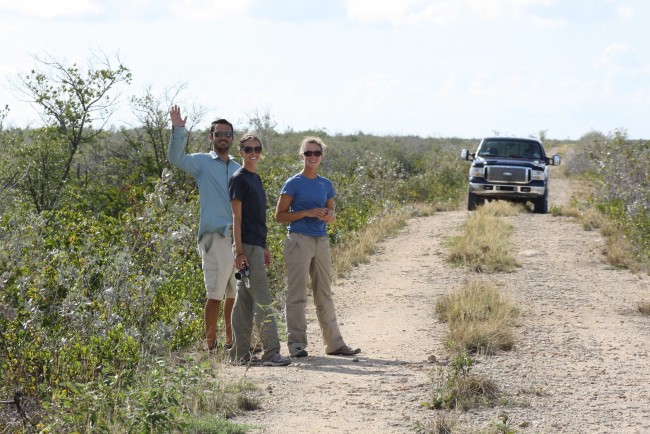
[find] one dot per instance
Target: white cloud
(438, 11)
(51, 9)
(608, 58)
(210, 10)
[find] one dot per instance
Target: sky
(431, 68)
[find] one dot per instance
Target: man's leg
(211, 318)
(218, 273)
(227, 316)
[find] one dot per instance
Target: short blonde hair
(311, 139)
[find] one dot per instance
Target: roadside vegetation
(616, 201)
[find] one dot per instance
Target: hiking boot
(277, 360)
(298, 352)
(345, 351)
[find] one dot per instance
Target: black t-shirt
(247, 187)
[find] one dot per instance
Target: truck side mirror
(464, 153)
(556, 160)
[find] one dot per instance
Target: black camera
(244, 272)
(243, 275)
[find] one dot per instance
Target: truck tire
(540, 204)
(473, 201)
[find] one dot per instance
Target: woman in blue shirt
(306, 203)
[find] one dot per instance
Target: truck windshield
(510, 149)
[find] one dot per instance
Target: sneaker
(298, 352)
(277, 360)
(345, 351)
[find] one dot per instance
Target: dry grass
(485, 245)
(480, 318)
(643, 308)
(356, 251)
(501, 208)
(619, 251)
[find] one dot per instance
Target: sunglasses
(248, 149)
(222, 134)
(314, 153)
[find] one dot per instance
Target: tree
(263, 125)
(42, 160)
(153, 114)
(75, 105)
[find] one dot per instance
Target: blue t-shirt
(308, 193)
(247, 187)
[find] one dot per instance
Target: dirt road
(580, 364)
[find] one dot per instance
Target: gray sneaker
(277, 360)
(298, 352)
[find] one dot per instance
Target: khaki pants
(304, 257)
(250, 302)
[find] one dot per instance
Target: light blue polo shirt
(212, 175)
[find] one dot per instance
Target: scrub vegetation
(101, 289)
(101, 292)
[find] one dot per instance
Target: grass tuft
(456, 387)
(485, 244)
(479, 318)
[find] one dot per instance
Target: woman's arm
(240, 257)
(283, 215)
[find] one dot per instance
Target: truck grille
(517, 175)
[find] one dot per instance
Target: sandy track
(580, 364)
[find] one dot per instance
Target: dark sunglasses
(314, 153)
(222, 134)
(248, 149)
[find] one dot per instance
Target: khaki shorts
(218, 266)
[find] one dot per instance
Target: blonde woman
(306, 204)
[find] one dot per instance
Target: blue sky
(438, 68)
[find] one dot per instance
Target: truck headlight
(538, 175)
(476, 172)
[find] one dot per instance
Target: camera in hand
(243, 275)
(244, 272)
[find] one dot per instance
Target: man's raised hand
(177, 119)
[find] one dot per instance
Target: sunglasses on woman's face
(249, 149)
(314, 153)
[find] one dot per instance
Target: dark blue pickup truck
(507, 168)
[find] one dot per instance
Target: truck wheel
(541, 204)
(474, 201)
